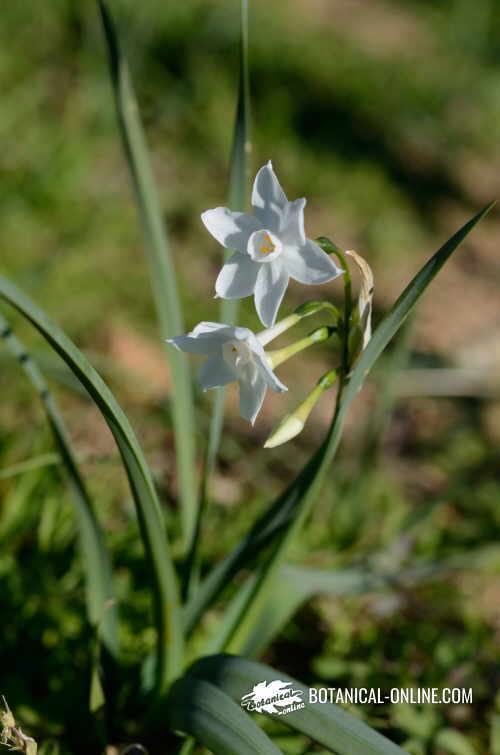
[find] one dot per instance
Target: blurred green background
(386, 116)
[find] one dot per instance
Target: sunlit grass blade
(238, 189)
(23, 467)
(294, 504)
(198, 708)
(302, 583)
(328, 725)
(156, 546)
(163, 278)
(96, 562)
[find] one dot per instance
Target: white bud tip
(286, 430)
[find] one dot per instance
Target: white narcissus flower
(270, 248)
(233, 354)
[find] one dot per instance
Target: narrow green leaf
(36, 462)
(96, 562)
(238, 187)
(326, 724)
(302, 583)
(297, 584)
(163, 278)
(152, 527)
(198, 708)
(296, 500)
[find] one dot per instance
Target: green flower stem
(306, 309)
(269, 334)
(330, 248)
(312, 307)
(278, 356)
(238, 191)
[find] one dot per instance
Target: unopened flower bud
(293, 423)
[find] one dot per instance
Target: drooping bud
(293, 424)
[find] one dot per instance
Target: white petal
(231, 229)
(192, 345)
(269, 376)
(268, 198)
(205, 338)
(237, 278)
(262, 364)
(292, 223)
(252, 393)
(309, 264)
(214, 373)
(206, 328)
(269, 291)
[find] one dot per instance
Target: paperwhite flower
(233, 354)
(270, 247)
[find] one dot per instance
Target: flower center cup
(236, 354)
(264, 246)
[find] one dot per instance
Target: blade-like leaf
(96, 562)
(298, 497)
(163, 278)
(238, 186)
(198, 708)
(170, 639)
(326, 724)
(293, 587)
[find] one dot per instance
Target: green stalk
(266, 574)
(163, 278)
(344, 325)
(238, 189)
(320, 335)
